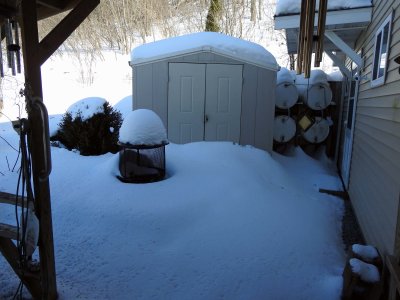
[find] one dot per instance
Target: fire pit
(142, 139)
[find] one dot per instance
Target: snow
(335, 76)
(284, 76)
(285, 7)
(87, 107)
(142, 127)
(367, 252)
(205, 41)
(124, 106)
(229, 221)
(367, 272)
(316, 76)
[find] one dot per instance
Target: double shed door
(204, 102)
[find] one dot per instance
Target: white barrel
(286, 92)
(284, 129)
(286, 95)
(319, 96)
(315, 91)
(318, 132)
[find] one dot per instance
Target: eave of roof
(345, 17)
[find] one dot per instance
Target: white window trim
(381, 80)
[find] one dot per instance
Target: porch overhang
(346, 24)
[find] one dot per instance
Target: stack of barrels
(302, 114)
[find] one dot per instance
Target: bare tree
(253, 10)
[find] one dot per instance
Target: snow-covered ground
(229, 222)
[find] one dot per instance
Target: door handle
(205, 118)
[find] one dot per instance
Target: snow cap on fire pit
(143, 127)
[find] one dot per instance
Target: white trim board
(335, 39)
(335, 17)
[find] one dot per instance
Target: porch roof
(346, 23)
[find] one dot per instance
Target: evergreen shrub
(94, 136)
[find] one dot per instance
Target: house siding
(374, 186)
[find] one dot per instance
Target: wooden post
(33, 80)
(35, 54)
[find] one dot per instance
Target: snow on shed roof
(286, 7)
(217, 43)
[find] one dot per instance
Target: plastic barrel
(284, 129)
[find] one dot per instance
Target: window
(382, 43)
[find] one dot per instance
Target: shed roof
(217, 43)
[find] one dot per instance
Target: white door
(204, 102)
(223, 102)
(186, 96)
(352, 93)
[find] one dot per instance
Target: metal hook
(38, 103)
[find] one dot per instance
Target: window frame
(377, 80)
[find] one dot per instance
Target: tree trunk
(253, 10)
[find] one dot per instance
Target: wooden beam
(30, 280)
(11, 199)
(63, 30)
(8, 231)
(39, 129)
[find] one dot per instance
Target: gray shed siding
(150, 90)
(375, 168)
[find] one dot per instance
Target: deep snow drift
(229, 222)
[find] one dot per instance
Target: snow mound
(87, 107)
(365, 251)
(284, 75)
(316, 76)
(285, 7)
(367, 272)
(142, 127)
(124, 106)
(205, 41)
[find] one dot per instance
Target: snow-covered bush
(91, 134)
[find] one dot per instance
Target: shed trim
(210, 42)
(139, 62)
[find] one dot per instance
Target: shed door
(204, 102)
(223, 102)
(186, 96)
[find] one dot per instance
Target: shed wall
(150, 90)
(375, 171)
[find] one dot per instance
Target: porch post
(38, 146)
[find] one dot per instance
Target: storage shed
(208, 86)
